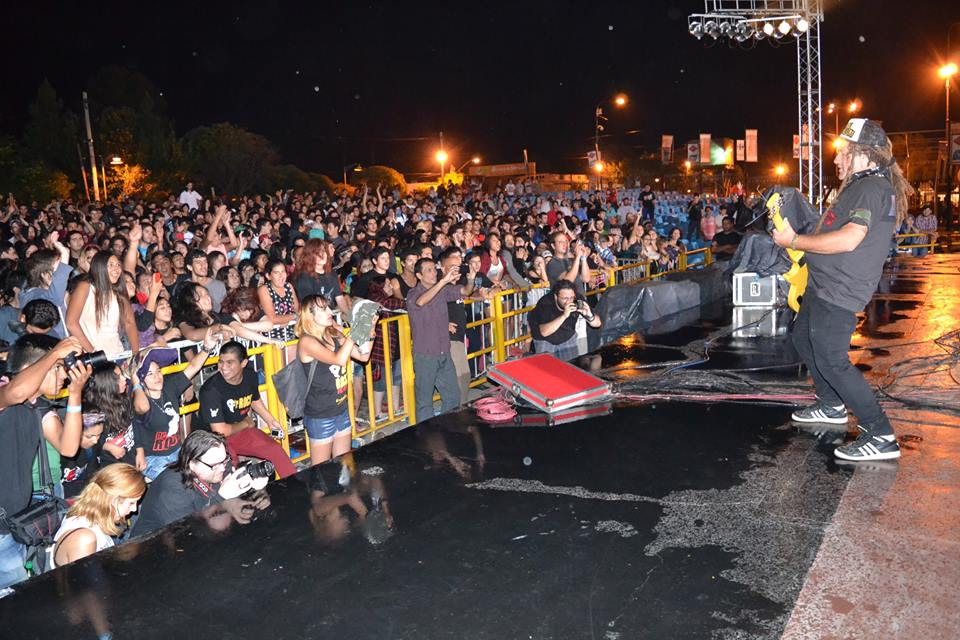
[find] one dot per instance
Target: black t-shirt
(545, 311)
(694, 212)
(849, 279)
(157, 432)
(457, 313)
(76, 471)
(326, 285)
(726, 239)
(19, 443)
(328, 391)
(168, 500)
(221, 401)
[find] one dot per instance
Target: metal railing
(494, 326)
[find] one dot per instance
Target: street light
(474, 160)
(441, 157)
(946, 72)
(780, 170)
(619, 100)
(356, 167)
(854, 106)
(116, 161)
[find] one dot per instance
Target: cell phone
(156, 277)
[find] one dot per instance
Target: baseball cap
(867, 132)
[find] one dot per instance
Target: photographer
(554, 320)
(39, 371)
(197, 480)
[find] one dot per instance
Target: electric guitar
(797, 274)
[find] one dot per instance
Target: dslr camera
(96, 360)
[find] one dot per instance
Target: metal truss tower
(741, 21)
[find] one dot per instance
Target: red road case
(547, 383)
(557, 418)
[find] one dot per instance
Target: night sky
(494, 77)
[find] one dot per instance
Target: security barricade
(495, 326)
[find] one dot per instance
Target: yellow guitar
(797, 275)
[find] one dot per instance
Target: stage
(664, 519)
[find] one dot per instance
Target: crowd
(121, 281)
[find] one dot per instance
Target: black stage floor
(667, 520)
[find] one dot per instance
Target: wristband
(137, 386)
(793, 243)
(75, 408)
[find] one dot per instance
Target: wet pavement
(663, 520)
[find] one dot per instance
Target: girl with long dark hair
(108, 391)
(99, 306)
(194, 315)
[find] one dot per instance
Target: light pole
(350, 167)
(474, 160)
(619, 100)
(946, 72)
(853, 106)
(442, 159)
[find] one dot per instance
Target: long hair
(884, 159)
(103, 392)
(96, 501)
(103, 289)
(38, 264)
(307, 263)
(306, 325)
(185, 306)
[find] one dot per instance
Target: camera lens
(262, 469)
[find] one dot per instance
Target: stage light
(784, 27)
(744, 32)
(802, 25)
(696, 29)
(712, 29)
(726, 29)
(768, 28)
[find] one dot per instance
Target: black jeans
(821, 336)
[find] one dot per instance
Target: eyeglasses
(222, 463)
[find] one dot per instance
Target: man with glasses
(198, 479)
(553, 322)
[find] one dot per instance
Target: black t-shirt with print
(326, 285)
(849, 279)
(157, 432)
(221, 401)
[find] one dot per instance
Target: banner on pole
(693, 153)
(704, 148)
(666, 149)
(796, 147)
(741, 150)
(593, 157)
(750, 137)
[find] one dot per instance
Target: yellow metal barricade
(905, 236)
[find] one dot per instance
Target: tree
(388, 177)
(228, 157)
(130, 118)
(52, 132)
(324, 183)
(39, 182)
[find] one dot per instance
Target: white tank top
(73, 523)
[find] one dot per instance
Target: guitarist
(845, 257)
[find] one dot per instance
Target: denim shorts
(324, 429)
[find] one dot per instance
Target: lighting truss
(742, 21)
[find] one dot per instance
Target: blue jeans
(156, 464)
(12, 554)
(325, 429)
